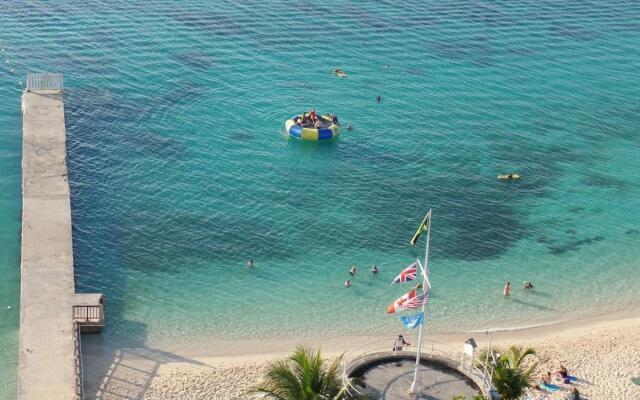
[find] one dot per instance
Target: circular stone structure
(388, 376)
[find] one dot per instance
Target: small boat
(507, 177)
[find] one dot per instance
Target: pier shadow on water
(122, 372)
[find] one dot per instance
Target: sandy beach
(603, 352)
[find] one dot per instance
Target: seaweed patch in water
(574, 245)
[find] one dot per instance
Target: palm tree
(510, 382)
(302, 376)
(514, 357)
(508, 376)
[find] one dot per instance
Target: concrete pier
(48, 365)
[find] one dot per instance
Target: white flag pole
(424, 272)
(425, 283)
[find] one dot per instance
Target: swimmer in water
(349, 126)
(353, 270)
(527, 285)
(374, 269)
(507, 289)
(378, 99)
(250, 263)
(347, 283)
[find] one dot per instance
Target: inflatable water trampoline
(311, 127)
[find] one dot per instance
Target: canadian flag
(400, 303)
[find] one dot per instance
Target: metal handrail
(77, 358)
(378, 346)
(429, 348)
(45, 81)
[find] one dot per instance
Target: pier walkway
(49, 366)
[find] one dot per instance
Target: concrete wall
(46, 359)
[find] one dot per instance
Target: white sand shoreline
(603, 350)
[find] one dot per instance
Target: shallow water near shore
(180, 171)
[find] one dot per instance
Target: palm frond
(303, 376)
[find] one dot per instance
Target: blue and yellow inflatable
(329, 130)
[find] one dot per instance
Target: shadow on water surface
(532, 305)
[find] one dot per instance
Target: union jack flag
(408, 274)
(417, 301)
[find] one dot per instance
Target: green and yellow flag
(424, 226)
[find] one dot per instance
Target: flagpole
(425, 270)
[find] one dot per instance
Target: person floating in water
(353, 270)
(527, 285)
(250, 263)
(374, 269)
(340, 72)
(507, 289)
(347, 283)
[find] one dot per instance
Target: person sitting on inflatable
(332, 117)
(313, 116)
(304, 120)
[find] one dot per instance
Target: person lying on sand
(575, 394)
(562, 372)
(546, 378)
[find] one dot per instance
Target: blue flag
(413, 321)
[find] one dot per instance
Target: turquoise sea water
(180, 172)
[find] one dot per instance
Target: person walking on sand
(507, 289)
(399, 344)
